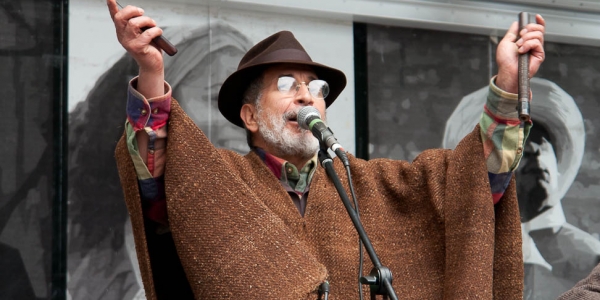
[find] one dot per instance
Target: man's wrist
(152, 71)
(507, 83)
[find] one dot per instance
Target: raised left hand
(529, 39)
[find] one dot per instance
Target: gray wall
(29, 85)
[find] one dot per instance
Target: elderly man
(209, 223)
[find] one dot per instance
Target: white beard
(286, 141)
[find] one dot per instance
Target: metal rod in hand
(160, 41)
(523, 106)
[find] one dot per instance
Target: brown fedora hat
(281, 47)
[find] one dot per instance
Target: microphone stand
(380, 278)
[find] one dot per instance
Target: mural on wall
(431, 92)
(206, 57)
(569, 244)
(28, 85)
(556, 253)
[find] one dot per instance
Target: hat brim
(231, 94)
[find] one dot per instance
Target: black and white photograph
(416, 77)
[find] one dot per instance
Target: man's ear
(248, 114)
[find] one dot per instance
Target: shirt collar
(553, 218)
(286, 171)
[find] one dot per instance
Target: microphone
(309, 118)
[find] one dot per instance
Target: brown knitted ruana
(586, 289)
(239, 235)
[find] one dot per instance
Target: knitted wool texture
(586, 289)
(239, 236)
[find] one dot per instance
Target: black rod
(60, 10)
(523, 106)
(361, 91)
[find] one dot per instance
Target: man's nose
(303, 95)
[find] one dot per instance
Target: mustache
(291, 115)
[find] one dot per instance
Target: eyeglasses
(288, 86)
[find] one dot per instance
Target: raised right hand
(129, 23)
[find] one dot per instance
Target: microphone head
(305, 114)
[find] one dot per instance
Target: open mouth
(291, 116)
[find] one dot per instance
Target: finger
(142, 42)
(129, 12)
(141, 22)
(531, 35)
(535, 27)
(533, 46)
(150, 33)
(540, 20)
(534, 66)
(113, 9)
(511, 34)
